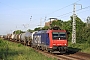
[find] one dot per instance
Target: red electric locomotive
(58, 40)
(51, 40)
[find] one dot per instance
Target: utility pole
(16, 29)
(50, 24)
(30, 18)
(88, 20)
(45, 18)
(74, 24)
(40, 23)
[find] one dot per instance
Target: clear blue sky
(15, 14)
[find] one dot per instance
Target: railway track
(59, 56)
(67, 56)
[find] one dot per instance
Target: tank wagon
(17, 37)
(3, 36)
(26, 38)
(9, 36)
(13, 37)
(51, 40)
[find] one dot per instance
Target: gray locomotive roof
(42, 31)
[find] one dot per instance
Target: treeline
(82, 31)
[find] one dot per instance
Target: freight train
(50, 40)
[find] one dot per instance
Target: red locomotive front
(58, 40)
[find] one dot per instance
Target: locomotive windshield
(59, 35)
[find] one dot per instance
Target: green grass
(16, 51)
(83, 47)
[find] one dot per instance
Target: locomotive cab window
(59, 35)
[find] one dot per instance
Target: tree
(36, 29)
(86, 35)
(45, 28)
(29, 30)
(58, 23)
(18, 32)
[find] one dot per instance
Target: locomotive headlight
(54, 44)
(65, 44)
(50, 47)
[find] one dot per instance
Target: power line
(82, 11)
(77, 1)
(15, 8)
(59, 10)
(62, 8)
(64, 14)
(70, 12)
(75, 10)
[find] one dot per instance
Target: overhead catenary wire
(51, 12)
(83, 11)
(59, 10)
(77, 13)
(20, 11)
(17, 9)
(62, 8)
(72, 11)
(76, 10)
